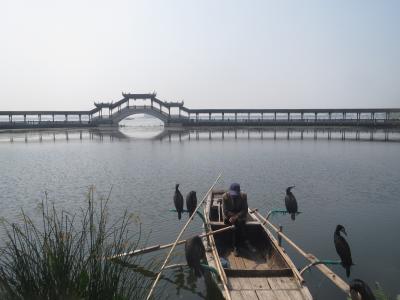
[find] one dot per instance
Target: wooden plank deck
(253, 261)
(260, 288)
(248, 288)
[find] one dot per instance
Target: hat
(234, 189)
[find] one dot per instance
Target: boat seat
(248, 223)
(258, 273)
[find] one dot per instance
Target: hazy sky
(267, 54)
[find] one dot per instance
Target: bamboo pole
(340, 283)
(160, 247)
(215, 254)
(177, 239)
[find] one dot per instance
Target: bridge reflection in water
(267, 133)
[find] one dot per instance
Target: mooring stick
(177, 239)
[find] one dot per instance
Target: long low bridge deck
(176, 114)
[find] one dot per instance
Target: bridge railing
(139, 107)
(282, 120)
(36, 122)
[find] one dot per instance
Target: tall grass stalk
(63, 257)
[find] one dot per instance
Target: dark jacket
(237, 205)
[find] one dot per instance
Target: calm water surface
(353, 183)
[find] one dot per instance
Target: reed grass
(63, 255)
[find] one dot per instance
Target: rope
(177, 239)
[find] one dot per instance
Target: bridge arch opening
(141, 126)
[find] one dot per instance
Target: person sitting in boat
(234, 204)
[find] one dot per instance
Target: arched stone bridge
(176, 114)
(116, 112)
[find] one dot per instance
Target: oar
(177, 239)
(204, 266)
(160, 247)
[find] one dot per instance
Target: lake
(353, 182)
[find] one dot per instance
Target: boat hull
(263, 271)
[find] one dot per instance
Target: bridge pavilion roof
(103, 104)
(139, 96)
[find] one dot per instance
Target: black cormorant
(290, 202)
(359, 290)
(178, 201)
(191, 202)
(195, 252)
(343, 249)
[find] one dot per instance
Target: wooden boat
(266, 272)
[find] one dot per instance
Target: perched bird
(178, 201)
(343, 249)
(359, 290)
(191, 202)
(195, 252)
(290, 202)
